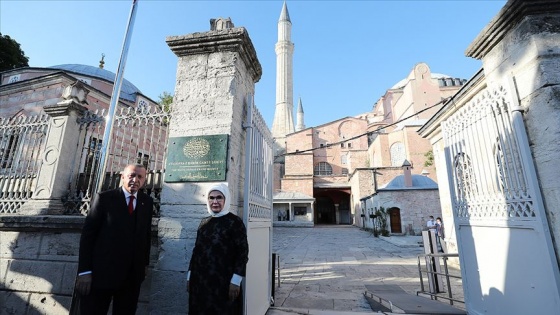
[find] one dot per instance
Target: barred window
(143, 159)
(322, 168)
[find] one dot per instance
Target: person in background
(431, 224)
(440, 235)
(219, 259)
(115, 247)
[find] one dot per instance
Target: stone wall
(39, 261)
(415, 207)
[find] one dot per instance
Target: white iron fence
(139, 136)
(258, 218)
(505, 246)
(22, 143)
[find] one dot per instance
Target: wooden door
(395, 216)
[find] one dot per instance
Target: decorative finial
(221, 24)
(102, 62)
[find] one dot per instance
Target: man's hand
(83, 284)
(233, 291)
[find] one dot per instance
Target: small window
(300, 210)
(143, 105)
(14, 78)
(94, 153)
(143, 159)
(342, 145)
(8, 145)
(349, 144)
(344, 171)
(322, 168)
(322, 145)
(343, 159)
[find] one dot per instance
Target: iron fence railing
(432, 274)
(139, 136)
(22, 144)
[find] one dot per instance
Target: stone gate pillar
(60, 152)
(215, 73)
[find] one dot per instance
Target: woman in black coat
(219, 259)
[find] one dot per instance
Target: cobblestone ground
(327, 267)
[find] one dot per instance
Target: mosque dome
(128, 90)
(418, 182)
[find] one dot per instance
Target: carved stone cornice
(64, 108)
(232, 39)
(507, 19)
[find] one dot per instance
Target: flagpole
(114, 100)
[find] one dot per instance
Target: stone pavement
(324, 269)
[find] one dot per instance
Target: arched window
(397, 154)
(322, 168)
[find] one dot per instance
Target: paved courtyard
(327, 267)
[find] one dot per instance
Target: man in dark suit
(115, 247)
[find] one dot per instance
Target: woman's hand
(83, 284)
(233, 291)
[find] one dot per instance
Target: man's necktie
(131, 204)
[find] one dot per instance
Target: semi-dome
(128, 90)
(418, 182)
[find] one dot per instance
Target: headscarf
(223, 188)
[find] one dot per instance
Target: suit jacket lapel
(122, 197)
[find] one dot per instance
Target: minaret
(300, 125)
(283, 116)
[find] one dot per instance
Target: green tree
(382, 225)
(165, 100)
(429, 158)
(11, 55)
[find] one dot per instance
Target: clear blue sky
(347, 53)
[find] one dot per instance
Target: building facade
(347, 166)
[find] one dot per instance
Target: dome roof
(404, 81)
(128, 90)
(418, 182)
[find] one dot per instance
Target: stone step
(394, 299)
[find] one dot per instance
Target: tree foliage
(381, 216)
(165, 100)
(11, 55)
(429, 158)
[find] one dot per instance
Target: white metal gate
(507, 259)
(258, 218)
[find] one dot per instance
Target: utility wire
(367, 133)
